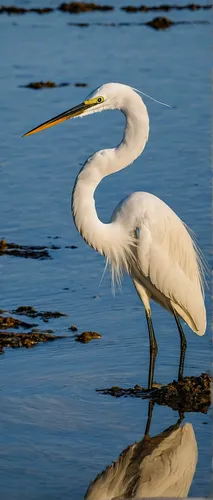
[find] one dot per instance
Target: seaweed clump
(44, 85)
(160, 23)
(86, 337)
(189, 394)
(21, 10)
(192, 394)
(26, 251)
(33, 313)
(33, 336)
(77, 7)
(51, 85)
(28, 340)
(9, 322)
(166, 7)
(73, 328)
(30, 251)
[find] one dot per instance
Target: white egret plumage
(144, 237)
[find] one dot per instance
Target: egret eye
(100, 99)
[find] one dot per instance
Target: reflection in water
(161, 466)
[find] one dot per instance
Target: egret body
(144, 237)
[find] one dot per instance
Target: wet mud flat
(192, 394)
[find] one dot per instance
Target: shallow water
(57, 432)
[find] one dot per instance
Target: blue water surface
(57, 433)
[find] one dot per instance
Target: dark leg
(153, 348)
(149, 419)
(181, 416)
(183, 346)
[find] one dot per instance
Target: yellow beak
(71, 113)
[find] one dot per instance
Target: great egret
(144, 237)
(158, 466)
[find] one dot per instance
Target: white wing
(167, 263)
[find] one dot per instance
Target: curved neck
(97, 234)
(135, 136)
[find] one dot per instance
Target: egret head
(108, 96)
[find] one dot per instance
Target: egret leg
(149, 418)
(181, 416)
(183, 346)
(153, 348)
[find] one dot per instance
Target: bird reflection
(158, 466)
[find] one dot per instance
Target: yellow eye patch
(95, 100)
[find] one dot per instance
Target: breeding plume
(144, 237)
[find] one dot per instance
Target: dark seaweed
(192, 394)
(33, 313)
(86, 337)
(28, 340)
